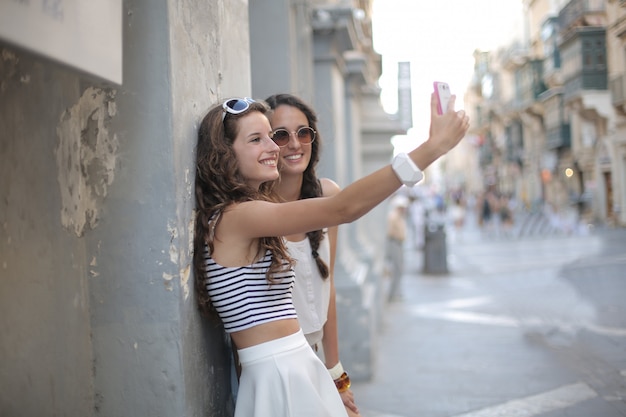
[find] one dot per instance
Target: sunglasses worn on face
(236, 106)
(305, 136)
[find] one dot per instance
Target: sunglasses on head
(236, 106)
(305, 136)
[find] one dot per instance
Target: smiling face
(294, 156)
(256, 152)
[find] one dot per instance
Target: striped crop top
(244, 298)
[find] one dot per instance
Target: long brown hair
(311, 186)
(218, 184)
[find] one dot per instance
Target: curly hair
(218, 184)
(311, 186)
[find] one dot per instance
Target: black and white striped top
(244, 298)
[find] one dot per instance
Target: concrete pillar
(280, 48)
(96, 301)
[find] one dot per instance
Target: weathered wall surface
(97, 313)
(44, 290)
(209, 61)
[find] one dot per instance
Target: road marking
(452, 310)
(600, 261)
(605, 331)
(467, 317)
(562, 397)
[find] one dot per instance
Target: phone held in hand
(442, 91)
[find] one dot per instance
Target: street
(520, 326)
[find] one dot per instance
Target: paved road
(521, 326)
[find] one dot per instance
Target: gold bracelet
(343, 382)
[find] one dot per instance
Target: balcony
(514, 142)
(555, 119)
(583, 63)
(485, 152)
(552, 61)
(617, 86)
(558, 137)
(529, 82)
(582, 13)
(549, 36)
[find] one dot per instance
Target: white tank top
(311, 293)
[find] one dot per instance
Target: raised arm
(260, 218)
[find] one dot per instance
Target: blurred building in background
(548, 112)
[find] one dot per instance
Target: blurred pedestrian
(416, 218)
(457, 214)
(396, 235)
(506, 214)
(489, 206)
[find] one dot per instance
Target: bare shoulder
(329, 187)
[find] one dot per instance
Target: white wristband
(336, 371)
(406, 170)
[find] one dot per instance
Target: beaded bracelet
(343, 382)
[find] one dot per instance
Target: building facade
(547, 111)
(612, 155)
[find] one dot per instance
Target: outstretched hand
(348, 400)
(446, 130)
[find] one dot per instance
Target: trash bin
(435, 249)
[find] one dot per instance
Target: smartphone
(442, 91)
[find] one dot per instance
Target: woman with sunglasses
(244, 274)
(313, 252)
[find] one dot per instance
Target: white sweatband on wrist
(336, 371)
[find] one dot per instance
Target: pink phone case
(442, 91)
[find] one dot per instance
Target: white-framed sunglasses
(305, 136)
(236, 106)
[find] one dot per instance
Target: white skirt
(284, 378)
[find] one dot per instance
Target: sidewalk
(399, 375)
(453, 345)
